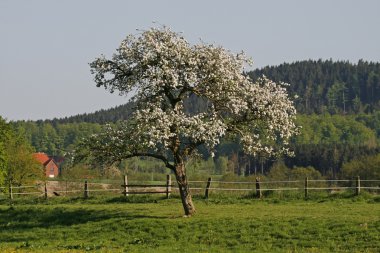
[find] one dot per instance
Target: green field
(147, 224)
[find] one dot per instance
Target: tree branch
(157, 156)
(189, 149)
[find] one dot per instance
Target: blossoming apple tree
(161, 71)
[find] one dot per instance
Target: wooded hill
(327, 86)
(338, 105)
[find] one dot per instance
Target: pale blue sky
(45, 46)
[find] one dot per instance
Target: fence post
(85, 189)
(207, 187)
(46, 193)
(10, 190)
(357, 185)
(306, 187)
(258, 190)
(125, 186)
(168, 185)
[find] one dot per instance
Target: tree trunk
(184, 190)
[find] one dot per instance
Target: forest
(338, 108)
(327, 86)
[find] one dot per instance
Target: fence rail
(258, 187)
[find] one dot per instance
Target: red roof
(41, 157)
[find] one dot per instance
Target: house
(49, 164)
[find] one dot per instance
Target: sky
(46, 45)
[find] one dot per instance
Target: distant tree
(299, 173)
(367, 167)
(233, 163)
(22, 168)
(279, 171)
(221, 165)
(17, 164)
(4, 138)
(163, 71)
(357, 105)
(337, 97)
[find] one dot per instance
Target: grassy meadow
(222, 224)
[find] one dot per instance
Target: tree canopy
(17, 164)
(163, 71)
(4, 137)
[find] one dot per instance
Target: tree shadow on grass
(138, 199)
(28, 218)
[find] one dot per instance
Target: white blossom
(163, 70)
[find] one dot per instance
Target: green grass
(153, 224)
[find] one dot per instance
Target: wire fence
(257, 188)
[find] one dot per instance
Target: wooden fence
(257, 187)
